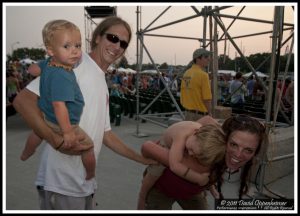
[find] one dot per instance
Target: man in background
(195, 87)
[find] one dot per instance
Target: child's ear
(196, 131)
(50, 51)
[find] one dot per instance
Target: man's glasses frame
(115, 39)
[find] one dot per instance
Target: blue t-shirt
(58, 84)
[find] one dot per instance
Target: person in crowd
(250, 85)
(115, 91)
(205, 143)
(12, 86)
(223, 86)
(258, 93)
(245, 138)
(289, 95)
(174, 82)
(238, 91)
(61, 179)
(195, 94)
(130, 91)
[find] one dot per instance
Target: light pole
(12, 46)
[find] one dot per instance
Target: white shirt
(66, 174)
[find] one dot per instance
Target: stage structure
(212, 26)
(212, 20)
(92, 13)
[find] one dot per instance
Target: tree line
(224, 61)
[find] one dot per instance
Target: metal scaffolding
(215, 14)
(90, 14)
(212, 18)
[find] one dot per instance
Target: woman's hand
(204, 179)
(141, 203)
(214, 192)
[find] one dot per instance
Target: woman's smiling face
(241, 147)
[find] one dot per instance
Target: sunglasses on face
(115, 39)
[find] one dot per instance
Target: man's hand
(149, 161)
(75, 149)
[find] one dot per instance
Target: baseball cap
(201, 52)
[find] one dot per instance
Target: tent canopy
(27, 61)
(149, 72)
(126, 70)
(260, 74)
(231, 72)
(129, 70)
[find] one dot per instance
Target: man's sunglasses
(115, 39)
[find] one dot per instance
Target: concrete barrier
(281, 144)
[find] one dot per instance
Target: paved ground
(118, 178)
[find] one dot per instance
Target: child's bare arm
(34, 70)
(175, 159)
(147, 183)
(62, 116)
(157, 152)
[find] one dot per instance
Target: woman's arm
(161, 154)
(147, 183)
(152, 150)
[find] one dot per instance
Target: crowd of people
(17, 77)
(238, 91)
(127, 81)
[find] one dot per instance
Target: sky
(23, 23)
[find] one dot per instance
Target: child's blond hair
(213, 144)
(51, 27)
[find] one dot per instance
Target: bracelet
(60, 145)
(186, 172)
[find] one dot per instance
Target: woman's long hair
(245, 123)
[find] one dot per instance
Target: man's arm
(114, 143)
(26, 104)
(207, 104)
